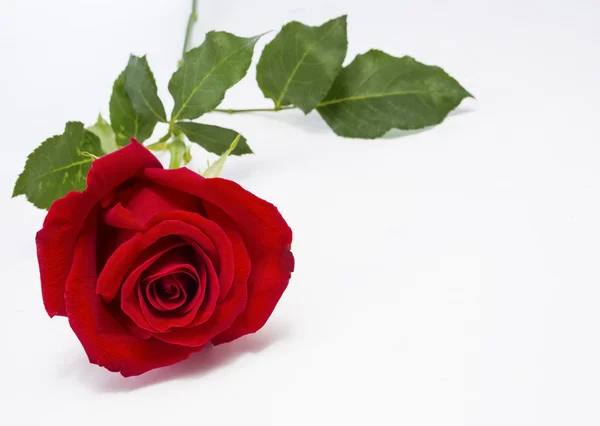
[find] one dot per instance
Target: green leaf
(214, 139)
(141, 88)
(215, 169)
(378, 92)
(207, 71)
(106, 135)
(59, 165)
(124, 120)
(301, 63)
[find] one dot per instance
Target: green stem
(161, 144)
(188, 29)
(165, 137)
(238, 111)
(158, 146)
(177, 149)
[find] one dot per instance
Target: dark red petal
(219, 245)
(211, 287)
(113, 169)
(127, 322)
(163, 323)
(120, 217)
(145, 199)
(266, 235)
(206, 233)
(241, 263)
(129, 299)
(170, 263)
(106, 342)
(224, 315)
(55, 241)
(261, 301)
(113, 274)
(170, 301)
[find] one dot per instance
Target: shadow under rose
(209, 360)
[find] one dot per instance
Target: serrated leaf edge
(251, 41)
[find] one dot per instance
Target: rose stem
(188, 29)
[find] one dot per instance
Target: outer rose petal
(106, 342)
(55, 241)
(241, 264)
(263, 299)
(266, 234)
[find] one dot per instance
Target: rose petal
(266, 235)
(55, 241)
(129, 301)
(120, 217)
(199, 312)
(106, 342)
(169, 302)
(263, 297)
(224, 315)
(162, 323)
(206, 233)
(126, 322)
(145, 199)
(242, 265)
(212, 288)
(221, 255)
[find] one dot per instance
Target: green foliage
(125, 121)
(214, 139)
(378, 92)
(215, 169)
(177, 150)
(208, 71)
(300, 64)
(141, 88)
(302, 67)
(59, 165)
(106, 135)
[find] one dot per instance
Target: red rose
(150, 265)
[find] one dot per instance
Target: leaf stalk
(239, 111)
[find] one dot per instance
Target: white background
(448, 277)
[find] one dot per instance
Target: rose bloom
(149, 265)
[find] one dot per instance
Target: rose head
(149, 265)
